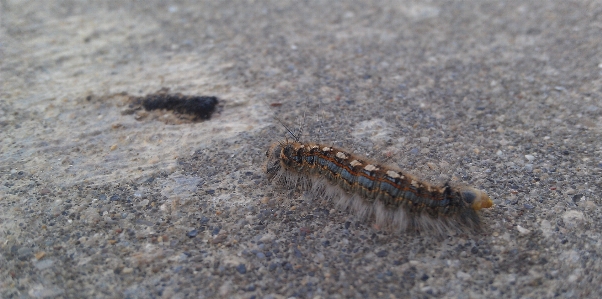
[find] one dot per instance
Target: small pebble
(45, 264)
(24, 253)
(219, 238)
(382, 253)
(522, 230)
(215, 231)
(530, 158)
(463, 276)
(192, 233)
(241, 268)
(572, 217)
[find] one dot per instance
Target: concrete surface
(97, 203)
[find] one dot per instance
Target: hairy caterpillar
(398, 200)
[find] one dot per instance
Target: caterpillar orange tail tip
(480, 200)
(398, 200)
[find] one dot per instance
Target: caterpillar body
(398, 200)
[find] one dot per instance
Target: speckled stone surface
(100, 203)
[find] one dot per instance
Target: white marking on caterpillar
(355, 163)
(393, 174)
(341, 155)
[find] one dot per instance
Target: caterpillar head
(273, 159)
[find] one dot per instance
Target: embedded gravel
(100, 202)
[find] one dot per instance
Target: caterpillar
(398, 200)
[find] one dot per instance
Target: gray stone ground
(95, 202)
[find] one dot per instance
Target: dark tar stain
(200, 107)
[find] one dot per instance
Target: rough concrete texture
(101, 203)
